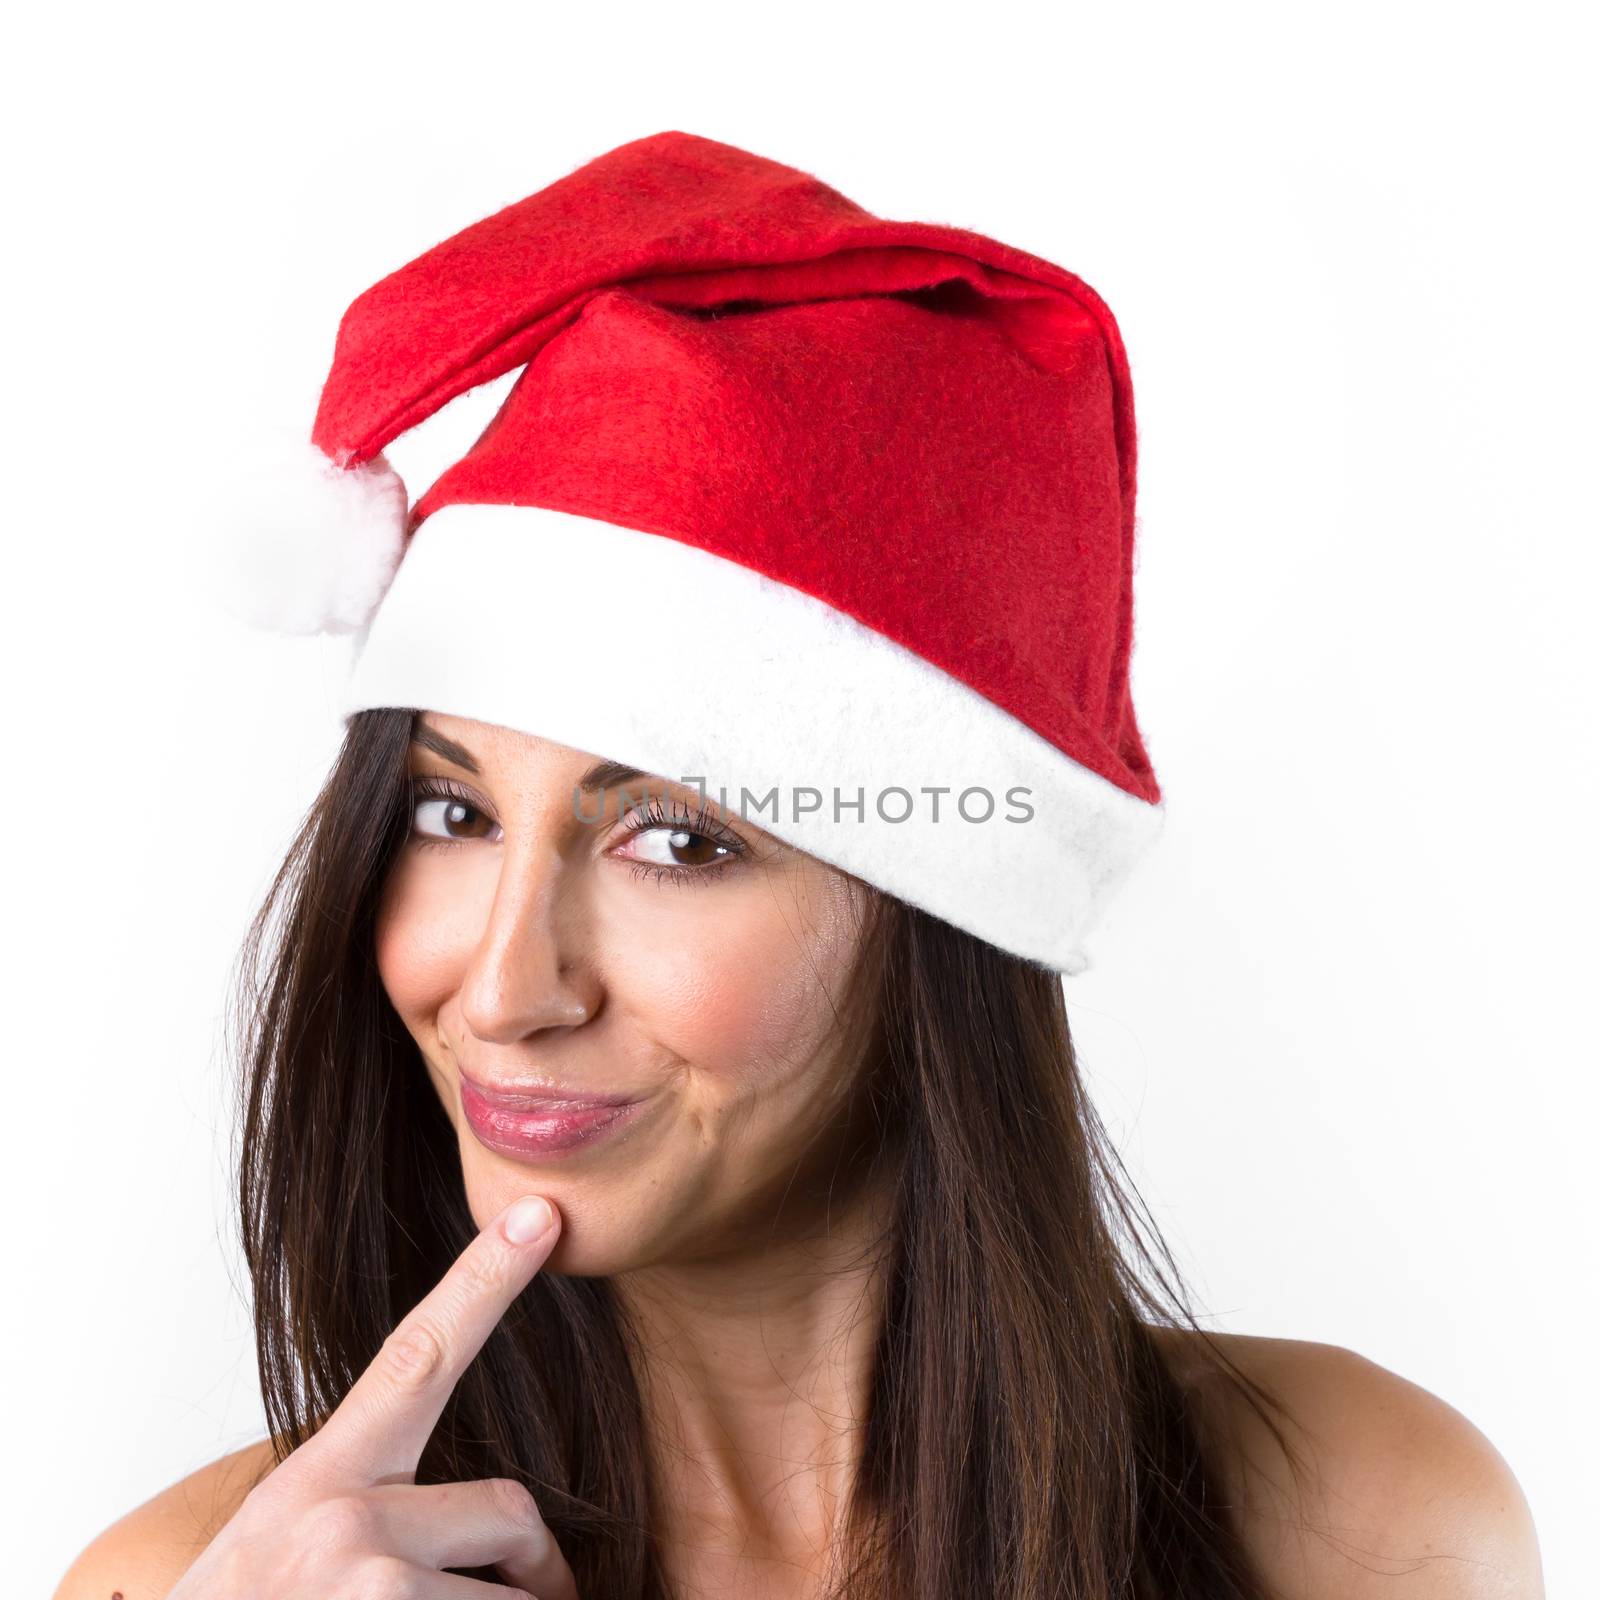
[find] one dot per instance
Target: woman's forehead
(472, 745)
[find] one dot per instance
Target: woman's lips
(533, 1126)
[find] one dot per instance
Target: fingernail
(528, 1219)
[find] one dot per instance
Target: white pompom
(309, 547)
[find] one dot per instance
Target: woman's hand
(344, 1515)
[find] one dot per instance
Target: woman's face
(618, 941)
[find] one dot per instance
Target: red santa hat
(786, 498)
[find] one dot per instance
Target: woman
(760, 1240)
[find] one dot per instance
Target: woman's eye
(443, 819)
(661, 847)
(668, 846)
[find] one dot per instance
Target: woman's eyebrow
(605, 773)
(432, 739)
(600, 776)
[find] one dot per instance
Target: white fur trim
(308, 547)
(647, 650)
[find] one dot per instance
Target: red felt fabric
(925, 428)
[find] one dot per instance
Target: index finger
(379, 1430)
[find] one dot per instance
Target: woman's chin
(594, 1243)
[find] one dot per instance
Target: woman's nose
(533, 967)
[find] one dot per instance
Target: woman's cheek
(426, 931)
(748, 998)
(709, 1007)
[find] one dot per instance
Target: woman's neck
(757, 1375)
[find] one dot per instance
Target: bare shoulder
(144, 1553)
(1397, 1493)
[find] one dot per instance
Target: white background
(1341, 1021)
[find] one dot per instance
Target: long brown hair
(1027, 1437)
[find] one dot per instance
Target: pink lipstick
(532, 1125)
